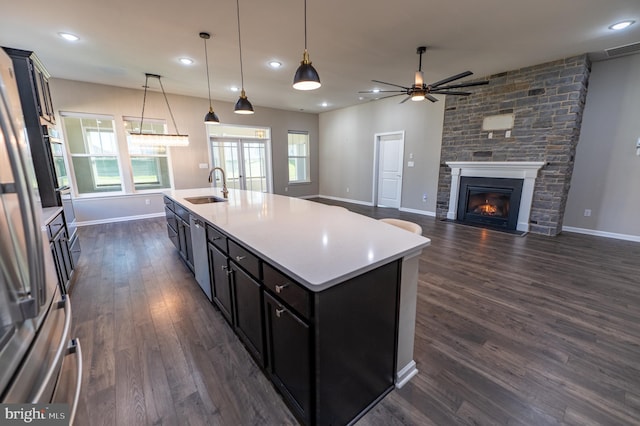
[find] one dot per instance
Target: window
(298, 157)
(94, 153)
(149, 164)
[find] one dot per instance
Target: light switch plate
(203, 165)
(410, 164)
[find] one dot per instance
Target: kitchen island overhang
(328, 251)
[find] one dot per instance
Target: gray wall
(347, 150)
(75, 96)
(607, 170)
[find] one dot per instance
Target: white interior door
(390, 160)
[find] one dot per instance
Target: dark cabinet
(220, 282)
(289, 355)
(330, 353)
(59, 243)
(37, 110)
(179, 230)
(248, 311)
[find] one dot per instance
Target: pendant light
(306, 77)
(211, 116)
(155, 139)
(243, 106)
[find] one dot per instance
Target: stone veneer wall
(547, 101)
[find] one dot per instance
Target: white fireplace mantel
(527, 170)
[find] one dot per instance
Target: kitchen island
(313, 291)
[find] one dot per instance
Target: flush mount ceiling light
(243, 106)
(306, 77)
(186, 61)
(621, 25)
(210, 117)
(69, 36)
(156, 139)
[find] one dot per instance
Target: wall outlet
(147, 201)
(587, 212)
(286, 189)
(424, 198)
(347, 189)
(203, 165)
(410, 164)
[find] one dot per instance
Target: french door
(245, 162)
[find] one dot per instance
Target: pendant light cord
(240, 44)
(167, 101)
(206, 61)
(305, 25)
(144, 99)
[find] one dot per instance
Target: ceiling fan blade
(431, 98)
(390, 96)
(468, 84)
(405, 99)
(383, 91)
(450, 92)
(390, 84)
(453, 77)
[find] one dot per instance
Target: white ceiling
(350, 42)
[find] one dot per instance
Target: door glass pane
(225, 155)
(255, 169)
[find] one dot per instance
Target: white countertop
(316, 244)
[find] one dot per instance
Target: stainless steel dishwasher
(200, 259)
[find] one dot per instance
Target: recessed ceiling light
(186, 61)
(234, 88)
(275, 64)
(376, 90)
(69, 36)
(621, 25)
(324, 104)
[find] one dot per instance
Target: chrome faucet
(225, 191)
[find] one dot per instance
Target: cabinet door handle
(280, 311)
(216, 238)
(279, 288)
(239, 258)
(223, 267)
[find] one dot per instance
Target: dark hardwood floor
(510, 330)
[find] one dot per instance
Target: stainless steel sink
(205, 199)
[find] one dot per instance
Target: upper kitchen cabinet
(39, 119)
(33, 83)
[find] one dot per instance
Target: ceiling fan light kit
(419, 91)
(306, 77)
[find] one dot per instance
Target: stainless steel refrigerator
(39, 361)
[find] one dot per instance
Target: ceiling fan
(418, 91)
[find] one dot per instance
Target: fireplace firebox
(490, 202)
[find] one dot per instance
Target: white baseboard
(346, 200)
(416, 211)
(119, 219)
(403, 376)
(625, 237)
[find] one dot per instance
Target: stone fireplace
(496, 194)
(546, 102)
